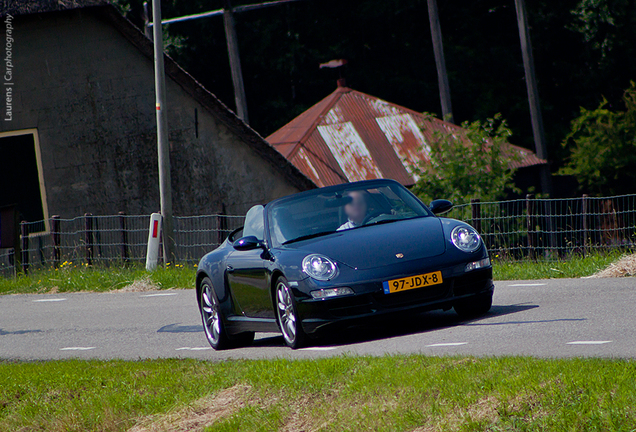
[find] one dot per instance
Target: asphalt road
(542, 318)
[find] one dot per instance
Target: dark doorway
(19, 179)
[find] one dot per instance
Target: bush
(602, 146)
(475, 163)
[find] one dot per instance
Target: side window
(254, 222)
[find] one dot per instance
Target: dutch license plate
(412, 282)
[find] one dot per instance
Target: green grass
(391, 393)
(72, 277)
(573, 267)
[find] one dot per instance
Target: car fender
(213, 266)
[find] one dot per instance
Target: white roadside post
(152, 254)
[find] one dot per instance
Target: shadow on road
(419, 323)
(176, 328)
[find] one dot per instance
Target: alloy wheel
(210, 314)
(286, 313)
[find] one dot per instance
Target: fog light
(331, 292)
(477, 264)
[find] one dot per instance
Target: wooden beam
(440, 62)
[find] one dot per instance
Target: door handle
(230, 269)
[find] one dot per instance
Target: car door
(246, 271)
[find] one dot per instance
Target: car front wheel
(211, 316)
(287, 315)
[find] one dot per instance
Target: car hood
(380, 245)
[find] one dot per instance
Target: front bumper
(317, 315)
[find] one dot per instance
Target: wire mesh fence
(553, 228)
(108, 240)
(516, 229)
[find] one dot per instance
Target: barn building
(78, 127)
(351, 136)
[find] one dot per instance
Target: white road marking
(318, 349)
(527, 285)
(49, 300)
(77, 348)
(447, 344)
(193, 348)
(158, 295)
(588, 342)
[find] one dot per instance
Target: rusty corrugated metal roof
(351, 136)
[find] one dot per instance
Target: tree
(602, 146)
(582, 49)
(474, 164)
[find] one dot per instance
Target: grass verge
(70, 277)
(573, 267)
(392, 393)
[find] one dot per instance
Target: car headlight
(320, 267)
(465, 239)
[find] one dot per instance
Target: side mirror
(247, 243)
(441, 206)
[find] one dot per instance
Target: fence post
(475, 208)
(41, 250)
(550, 245)
(530, 225)
(24, 231)
(220, 228)
(88, 237)
(584, 212)
(55, 233)
(124, 236)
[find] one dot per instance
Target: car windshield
(340, 209)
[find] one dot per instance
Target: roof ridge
(19, 7)
(393, 135)
(335, 97)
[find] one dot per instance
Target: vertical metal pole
(55, 233)
(235, 61)
(88, 237)
(530, 225)
(440, 62)
(24, 230)
(533, 96)
(146, 18)
(17, 243)
(584, 212)
(123, 227)
(165, 188)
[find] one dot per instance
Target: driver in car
(356, 210)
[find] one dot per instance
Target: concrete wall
(89, 92)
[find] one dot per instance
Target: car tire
(474, 306)
(210, 309)
(287, 315)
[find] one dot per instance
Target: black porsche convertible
(337, 255)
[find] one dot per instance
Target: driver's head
(356, 210)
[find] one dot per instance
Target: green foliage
(602, 143)
(600, 23)
(476, 164)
